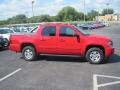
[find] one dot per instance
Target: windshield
(5, 31)
(82, 31)
(16, 30)
(10, 31)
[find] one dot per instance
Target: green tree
(17, 19)
(41, 18)
(67, 14)
(3, 22)
(107, 11)
(45, 18)
(54, 18)
(79, 16)
(91, 15)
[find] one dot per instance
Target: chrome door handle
(42, 39)
(61, 40)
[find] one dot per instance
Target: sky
(9, 8)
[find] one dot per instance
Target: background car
(22, 29)
(6, 32)
(90, 26)
(86, 26)
(3, 42)
(97, 25)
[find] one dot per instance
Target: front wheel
(95, 56)
(29, 53)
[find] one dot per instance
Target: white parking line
(107, 84)
(95, 82)
(9, 75)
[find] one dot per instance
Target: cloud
(52, 7)
(58, 1)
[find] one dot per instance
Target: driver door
(69, 43)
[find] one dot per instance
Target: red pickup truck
(62, 39)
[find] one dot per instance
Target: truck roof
(54, 24)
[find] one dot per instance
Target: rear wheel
(29, 53)
(95, 56)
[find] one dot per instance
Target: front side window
(66, 31)
(49, 31)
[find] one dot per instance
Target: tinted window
(49, 31)
(4, 31)
(66, 31)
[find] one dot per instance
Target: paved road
(61, 73)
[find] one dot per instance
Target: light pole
(26, 13)
(107, 4)
(84, 10)
(98, 15)
(32, 8)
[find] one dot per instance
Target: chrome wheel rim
(95, 56)
(28, 54)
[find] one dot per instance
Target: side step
(60, 55)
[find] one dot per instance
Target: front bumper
(109, 52)
(2, 44)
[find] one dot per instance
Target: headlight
(5, 39)
(110, 43)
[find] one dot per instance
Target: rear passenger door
(47, 41)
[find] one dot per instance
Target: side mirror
(77, 36)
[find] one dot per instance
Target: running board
(60, 55)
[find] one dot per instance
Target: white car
(6, 32)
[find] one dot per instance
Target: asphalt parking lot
(61, 73)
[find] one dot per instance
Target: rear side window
(49, 31)
(66, 31)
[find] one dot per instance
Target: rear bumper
(14, 47)
(109, 52)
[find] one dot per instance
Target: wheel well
(97, 46)
(26, 44)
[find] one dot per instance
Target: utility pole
(98, 15)
(32, 8)
(84, 10)
(26, 13)
(107, 4)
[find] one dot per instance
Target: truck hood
(99, 37)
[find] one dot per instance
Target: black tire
(32, 51)
(95, 59)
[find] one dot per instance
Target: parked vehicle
(33, 30)
(3, 42)
(30, 28)
(97, 25)
(86, 26)
(6, 32)
(90, 26)
(62, 39)
(20, 29)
